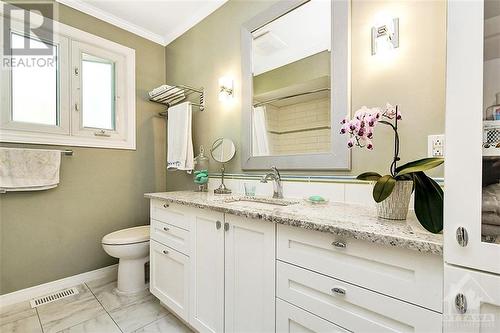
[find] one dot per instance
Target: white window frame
(70, 131)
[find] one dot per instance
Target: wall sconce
(385, 36)
(226, 89)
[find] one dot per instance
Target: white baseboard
(50, 287)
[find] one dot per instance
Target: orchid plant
(428, 194)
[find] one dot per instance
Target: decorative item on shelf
(392, 192)
(201, 171)
(223, 150)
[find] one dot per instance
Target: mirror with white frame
(292, 102)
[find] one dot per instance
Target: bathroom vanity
(224, 264)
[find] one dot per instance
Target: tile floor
(96, 309)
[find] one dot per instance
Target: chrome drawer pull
(462, 236)
(166, 205)
(165, 229)
(340, 245)
(165, 252)
(461, 303)
(337, 290)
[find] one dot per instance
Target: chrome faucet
(277, 186)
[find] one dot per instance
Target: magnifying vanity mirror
(295, 86)
(222, 151)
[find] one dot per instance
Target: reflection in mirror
(98, 92)
(491, 124)
(223, 150)
(291, 82)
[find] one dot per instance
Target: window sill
(66, 140)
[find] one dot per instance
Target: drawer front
(169, 272)
(291, 319)
(170, 213)
(170, 235)
(353, 308)
(401, 273)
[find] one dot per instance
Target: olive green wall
(53, 234)
(313, 67)
(412, 76)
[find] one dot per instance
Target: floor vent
(35, 302)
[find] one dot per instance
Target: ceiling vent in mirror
(267, 43)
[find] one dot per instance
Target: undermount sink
(263, 200)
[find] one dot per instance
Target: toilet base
(131, 276)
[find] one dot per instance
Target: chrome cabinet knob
(461, 303)
(165, 205)
(226, 226)
(165, 229)
(462, 236)
(338, 290)
(341, 245)
(218, 225)
(165, 252)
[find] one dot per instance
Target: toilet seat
(127, 236)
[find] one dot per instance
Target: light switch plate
(435, 145)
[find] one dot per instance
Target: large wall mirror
(295, 86)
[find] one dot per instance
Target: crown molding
(194, 19)
(114, 20)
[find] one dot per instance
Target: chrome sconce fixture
(226, 89)
(385, 36)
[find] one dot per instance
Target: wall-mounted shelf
(175, 94)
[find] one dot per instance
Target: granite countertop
(347, 220)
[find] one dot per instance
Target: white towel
(29, 169)
(180, 153)
(167, 94)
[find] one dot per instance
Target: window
(80, 94)
(34, 89)
(98, 92)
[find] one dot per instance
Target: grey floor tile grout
(154, 321)
(109, 315)
(39, 320)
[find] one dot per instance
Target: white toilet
(131, 246)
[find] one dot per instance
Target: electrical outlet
(435, 145)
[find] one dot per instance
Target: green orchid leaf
(373, 176)
(419, 165)
(383, 188)
(428, 202)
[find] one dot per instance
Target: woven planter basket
(395, 207)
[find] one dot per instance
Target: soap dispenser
(201, 171)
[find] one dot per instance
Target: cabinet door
(250, 275)
(292, 319)
(169, 272)
(207, 271)
(478, 310)
(472, 164)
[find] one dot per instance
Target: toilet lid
(127, 236)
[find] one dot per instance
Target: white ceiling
(161, 21)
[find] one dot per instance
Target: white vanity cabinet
(232, 277)
(214, 270)
(226, 273)
(356, 285)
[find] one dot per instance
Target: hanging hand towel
(29, 169)
(180, 154)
